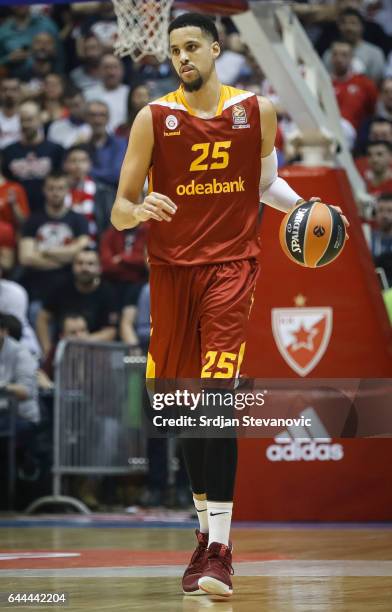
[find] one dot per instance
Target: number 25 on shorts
(224, 362)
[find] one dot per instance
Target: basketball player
(209, 151)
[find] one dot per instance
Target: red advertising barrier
(321, 323)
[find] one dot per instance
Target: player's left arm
(274, 190)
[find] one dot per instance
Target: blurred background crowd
(67, 104)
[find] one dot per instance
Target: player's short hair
(197, 20)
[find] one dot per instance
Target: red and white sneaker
(215, 578)
(196, 565)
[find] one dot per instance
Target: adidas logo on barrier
(299, 443)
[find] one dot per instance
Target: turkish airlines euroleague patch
(302, 335)
(239, 114)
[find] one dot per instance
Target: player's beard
(193, 85)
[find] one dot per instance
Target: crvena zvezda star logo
(302, 335)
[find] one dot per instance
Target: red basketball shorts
(199, 318)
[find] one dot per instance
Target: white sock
(219, 521)
(202, 515)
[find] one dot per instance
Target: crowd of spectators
(67, 104)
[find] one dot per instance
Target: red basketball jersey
(211, 169)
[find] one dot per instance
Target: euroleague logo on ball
(319, 231)
(171, 122)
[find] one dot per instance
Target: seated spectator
(111, 90)
(378, 175)
(31, 159)
(16, 37)
(84, 293)
(7, 247)
(44, 60)
(87, 197)
(103, 24)
(230, 64)
(73, 129)
(14, 301)
(356, 95)
(138, 97)
(14, 208)
(9, 112)
(158, 76)
(88, 74)
(18, 378)
(107, 151)
(73, 325)
(378, 129)
(328, 18)
(381, 241)
(123, 260)
(384, 103)
(367, 58)
(52, 99)
(50, 241)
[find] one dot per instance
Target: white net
(142, 28)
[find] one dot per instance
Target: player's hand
(338, 209)
(155, 206)
(344, 219)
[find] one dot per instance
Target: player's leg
(225, 313)
(174, 354)
(174, 341)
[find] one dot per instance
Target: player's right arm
(126, 212)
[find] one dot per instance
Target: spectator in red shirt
(7, 247)
(81, 198)
(356, 94)
(368, 59)
(378, 175)
(87, 197)
(123, 261)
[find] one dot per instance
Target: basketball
(312, 234)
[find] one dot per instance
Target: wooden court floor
(278, 568)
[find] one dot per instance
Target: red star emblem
(304, 338)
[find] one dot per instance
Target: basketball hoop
(142, 28)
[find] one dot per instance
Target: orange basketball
(312, 234)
